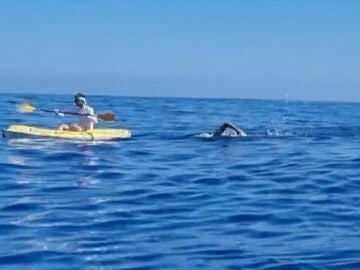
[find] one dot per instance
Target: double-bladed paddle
(27, 108)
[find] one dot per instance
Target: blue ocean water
(285, 197)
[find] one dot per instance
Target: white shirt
(86, 122)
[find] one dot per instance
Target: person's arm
(223, 127)
(220, 130)
(233, 127)
(59, 113)
(92, 115)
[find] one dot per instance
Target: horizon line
(188, 97)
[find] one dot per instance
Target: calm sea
(285, 197)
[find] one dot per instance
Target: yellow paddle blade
(106, 116)
(26, 107)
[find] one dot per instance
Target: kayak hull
(22, 131)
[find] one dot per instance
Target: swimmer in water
(229, 130)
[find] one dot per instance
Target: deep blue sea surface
(285, 197)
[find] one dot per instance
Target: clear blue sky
(205, 48)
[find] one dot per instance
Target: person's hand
(58, 113)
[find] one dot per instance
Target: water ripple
(286, 197)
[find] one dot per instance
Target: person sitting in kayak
(86, 121)
(229, 130)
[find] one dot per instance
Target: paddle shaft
(71, 113)
(103, 116)
(26, 107)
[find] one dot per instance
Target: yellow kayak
(21, 131)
